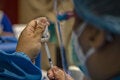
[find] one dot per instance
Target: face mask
(79, 56)
(78, 52)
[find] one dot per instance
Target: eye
(94, 35)
(97, 39)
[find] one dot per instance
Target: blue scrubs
(17, 66)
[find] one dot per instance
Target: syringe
(48, 54)
(45, 38)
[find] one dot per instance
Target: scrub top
(18, 66)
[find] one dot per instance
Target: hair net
(104, 14)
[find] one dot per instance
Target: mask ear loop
(79, 52)
(79, 32)
(81, 28)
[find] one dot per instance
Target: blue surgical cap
(104, 14)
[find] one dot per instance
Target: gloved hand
(30, 39)
(56, 73)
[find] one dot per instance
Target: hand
(30, 39)
(57, 74)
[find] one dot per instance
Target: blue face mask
(107, 20)
(78, 52)
(78, 56)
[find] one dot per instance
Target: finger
(58, 73)
(31, 26)
(42, 20)
(42, 23)
(55, 68)
(50, 74)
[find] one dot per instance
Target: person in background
(20, 64)
(5, 23)
(95, 40)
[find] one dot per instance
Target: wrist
(32, 57)
(28, 54)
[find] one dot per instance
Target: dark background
(10, 7)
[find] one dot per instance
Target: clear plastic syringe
(45, 38)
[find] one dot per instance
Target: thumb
(31, 26)
(42, 23)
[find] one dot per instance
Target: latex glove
(56, 73)
(30, 39)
